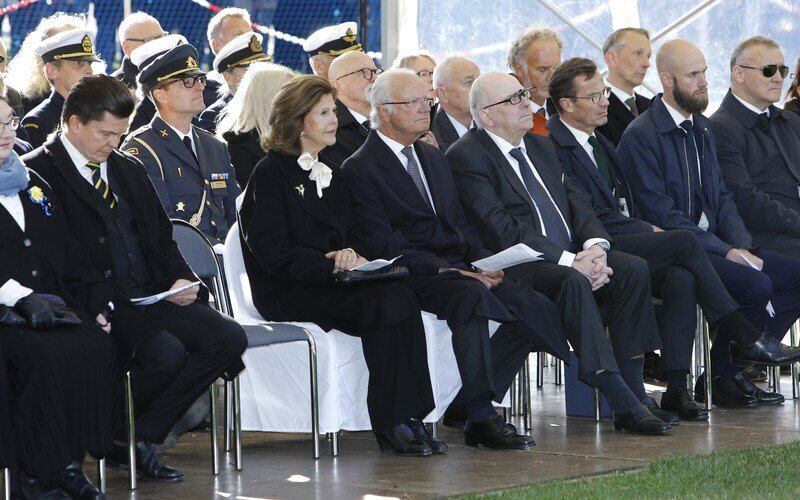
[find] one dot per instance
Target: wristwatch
(606, 246)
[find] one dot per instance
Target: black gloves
(44, 313)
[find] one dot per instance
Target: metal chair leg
(6, 484)
(597, 416)
(227, 415)
(434, 431)
(513, 393)
(214, 429)
(528, 417)
(540, 370)
(334, 438)
(312, 363)
(775, 378)
(559, 371)
(101, 474)
(237, 424)
(793, 340)
(707, 361)
(131, 432)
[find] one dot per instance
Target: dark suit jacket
(349, 137)
(763, 174)
(497, 203)
(43, 119)
(245, 150)
(443, 130)
(653, 161)
(619, 117)
(208, 118)
(394, 219)
(577, 164)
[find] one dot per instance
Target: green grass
(759, 472)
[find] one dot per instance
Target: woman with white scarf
(296, 225)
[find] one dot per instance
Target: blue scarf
(13, 175)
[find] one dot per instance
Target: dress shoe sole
(398, 454)
(771, 403)
(654, 432)
(745, 363)
(699, 418)
(476, 443)
(745, 406)
(124, 466)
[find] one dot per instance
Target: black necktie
(100, 185)
(695, 188)
(366, 125)
(602, 163)
(553, 224)
(763, 124)
(188, 143)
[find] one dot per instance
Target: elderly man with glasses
(134, 31)
(190, 168)
(757, 147)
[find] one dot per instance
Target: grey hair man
(532, 58)
(452, 81)
(133, 32)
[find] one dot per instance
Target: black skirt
(59, 394)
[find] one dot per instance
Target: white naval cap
(147, 52)
(75, 44)
(333, 40)
(243, 50)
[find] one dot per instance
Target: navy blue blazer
(443, 130)
(763, 174)
(43, 119)
(393, 217)
(577, 164)
(499, 205)
(653, 161)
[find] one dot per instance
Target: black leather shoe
(494, 433)
(417, 426)
(755, 374)
(766, 351)
(26, 488)
(402, 441)
(665, 415)
(681, 403)
(455, 417)
(189, 422)
(148, 465)
(724, 392)
(641, 423)
(763, 397)
(73, 481)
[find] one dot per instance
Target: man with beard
(669, 157)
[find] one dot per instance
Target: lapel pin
(301, 189)
(180, 207)
(163, 132)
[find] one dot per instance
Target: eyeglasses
(514, 99)
(770, 69)
(188, 81)
(429, 102)
(365, 72)
(424, 73)
(595, 96)
(148, 39)
(12, 124)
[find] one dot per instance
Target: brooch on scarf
(37, 196)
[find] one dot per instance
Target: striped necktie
(100, 185)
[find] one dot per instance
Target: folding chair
(6, 484)
(200, 256)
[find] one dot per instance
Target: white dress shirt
(505, 147)
(679, 118)
(583, 139)
(358, 116)
(12, 290)
(80, 162)
(397, 149)
(621, 94)
(750, 106)
(181, 135)
(460, 129)
(535, 107)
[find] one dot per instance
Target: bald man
(452, 80)
(352, 75)
(134, 31)
(669, 158)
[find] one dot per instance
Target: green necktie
(602, 164)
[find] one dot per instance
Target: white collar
(581, 136)
(395, 146)
(535, 107)
(750, 106)
(181, 135)
(358, 116)
(76, 156)
(676, 115)
(460, 128)
(503, 144)
(621, 94)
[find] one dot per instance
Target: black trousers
(681, 276)
(60, 386)
(172, 368)
(488, 365)
(624, 304)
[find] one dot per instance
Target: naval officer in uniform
(190, 169)
(67, 58)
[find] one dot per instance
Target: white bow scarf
(320, 173)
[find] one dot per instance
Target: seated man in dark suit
(680, 272)
(452, 79)
(112, 209)
(627, 53)
(411, 208)
(513, 191)
(669, 158)
(757, 147)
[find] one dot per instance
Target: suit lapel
(434, 183)
(396, 175)
(306, 192)
(505, 168)
(69, 172)
(174, 144)
(448, 131)
(619, 109)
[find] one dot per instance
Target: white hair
(131, 20)
(442, 72)
(381, 93)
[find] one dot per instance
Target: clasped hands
(593, 264)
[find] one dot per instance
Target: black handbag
(64, 315)
(383, 274)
